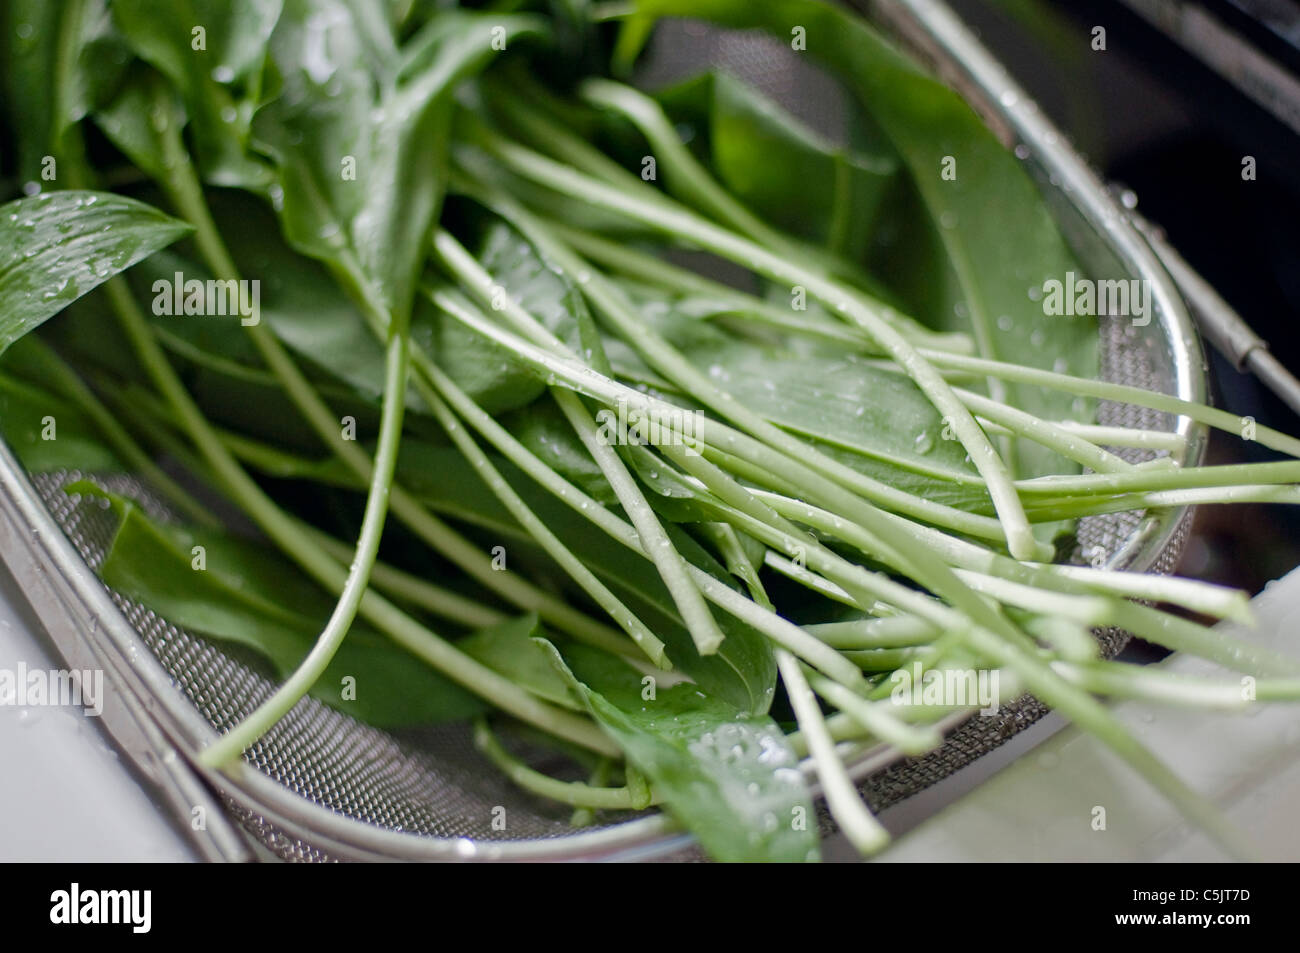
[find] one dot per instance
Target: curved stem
(233, 743)
(1151, 683)
(981, 568)
(672, 568)
(891, 632)
(1212, 600)
(566, 792)
(708, 433)
(639, 264)
(686, 177)
(699, 621)
(1072, 446)
(875, 717)
(776, 628)
(669, 361)
(599, 778)
(1143, 481)
(1072, 508)
(416, 591)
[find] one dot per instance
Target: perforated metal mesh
(433, 782)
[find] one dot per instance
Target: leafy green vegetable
(487, 372)
(804, 183)
(212, 52)
(56, 247)
(509, 648)
(359, 159)
(729, 776)
(138, 117)
(46, 431)
(72, 40)
(840, 399)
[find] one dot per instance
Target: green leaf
(48, 432)
(990, 219)
(672, 497)
(546, 292)
(135, 120)
(544, 430)
(251, 596)
(56, 247)
(493, 377)
(486, 371)
(804, 183)
(300, 302)
(213, 53)
(730, 777)
(875, 421)
(361, 159)
(510, 649)
(39, 42)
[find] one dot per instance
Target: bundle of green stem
(694, 533)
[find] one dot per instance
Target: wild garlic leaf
(361, 158)
(547, 293)
(488, 373)
(544, 430)
(510, 649)
(31, 34)
(804, 183)
(728, 776)
(670, 494)
(136, 118)
(213, 53)
(992, 222)
(46, 431)
(875, 421)
(300, 302)
(58, 246)
(251, 596)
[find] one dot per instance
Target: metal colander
(321, 786)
